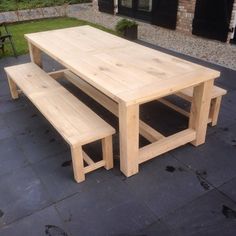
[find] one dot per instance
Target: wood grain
(123, 70)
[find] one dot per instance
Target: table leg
(129, 138)
(35, 54)
(200, 111)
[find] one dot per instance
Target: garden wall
(40, 13)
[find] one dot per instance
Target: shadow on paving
(188, 191)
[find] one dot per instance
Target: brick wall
(95, 4)
(185, 15)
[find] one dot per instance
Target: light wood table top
(123, 70)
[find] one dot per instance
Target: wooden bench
(187, 94)
(76, 123)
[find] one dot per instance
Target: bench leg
(78, 163)
(13, 88)
(107, 152)
(215, 109)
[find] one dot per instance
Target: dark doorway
(165, 13)
(212, 18)
(139, 9)
(106, 6)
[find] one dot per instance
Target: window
(145, 5)
(127, 3)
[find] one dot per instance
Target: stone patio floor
(186, 192)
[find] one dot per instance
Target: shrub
(124, 24)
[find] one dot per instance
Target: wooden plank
(57, 74)
(74, 121)
(178, 109)
(174, 107)
(166, 144)
(129, 74)
(200, 111)
(215, 110)
(87, 159)
(123, 70)
(129, 139)
(149, 133)
(107, 152)
(13, 88)
(70, 117)
(102, 99)
(94, 166)
(167, 87)
(77, 163)
(145, 130)
(31, 79)
(187, 93)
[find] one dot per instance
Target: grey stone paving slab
(229, 100)
(107, 209)
(227, 79)
(11, 156)
(57, 175)
(24, 120)
(43, 135)
(22, 193)
(162, 118)
(164, 184)
(215, 160)
(5, 130)
(227, 117)
(10, 61)
(45, 222)
(158, 228)
(229, 189)
(9, 105)
(40, 143)
(4, 88)
(229, 103)
(227, 135)
(210, 215)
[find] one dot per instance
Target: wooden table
(121, 75)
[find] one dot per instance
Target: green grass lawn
(12, 5)
(18, 31)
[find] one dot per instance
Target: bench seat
(76, 123)
(187, 94)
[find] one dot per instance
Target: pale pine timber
(187, 94)
(145, 130)
(200, 108)
(76, 123)
(129, 74)
(166, 144)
